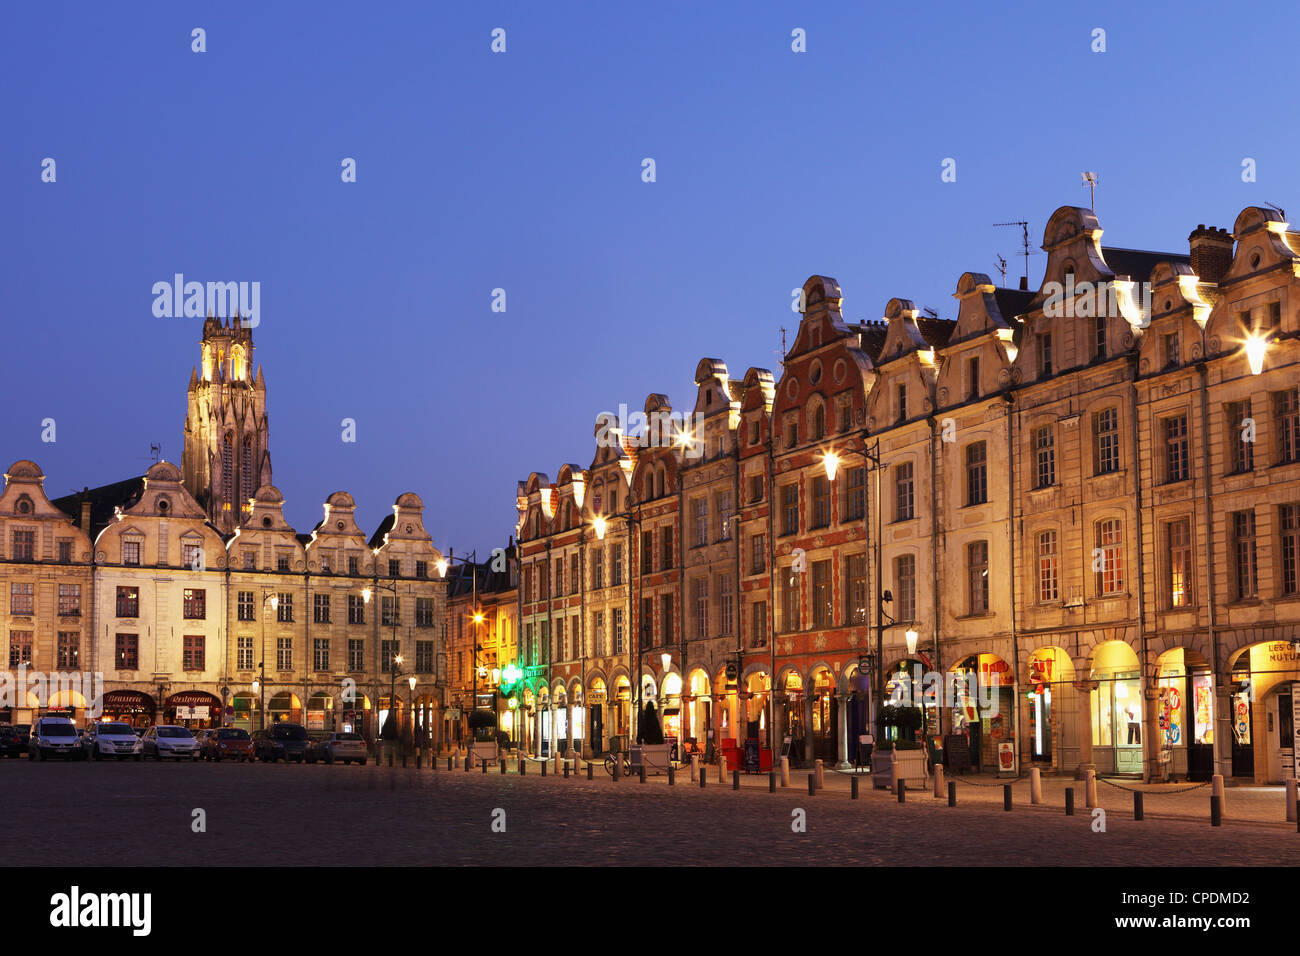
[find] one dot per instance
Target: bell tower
(226, 457)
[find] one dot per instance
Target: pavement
(225, 814)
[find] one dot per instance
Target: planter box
(483, 750)
(655, 756)
(911, 768)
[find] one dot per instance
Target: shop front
(544, 721)
(67, 703)
(1185, 714)
(758, 690)
(1051, 709)
(561, 722)
(670, 709)
(790, 710)
(1264, 696)
(132, 707)
(908, 712)
(983, 693)
(622, 709)
(597, 699)
(194, 709)
(284, 706)
(699, 713)
(1117, 710)
(353, 714)
(245, 706)
(825, 716)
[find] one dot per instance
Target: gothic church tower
(226, 458)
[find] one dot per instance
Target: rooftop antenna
(1024, 242)
(930, 313)
(1002, 268)
(1278, 209)
(155, 451)
(1090, 180)
(781, 354)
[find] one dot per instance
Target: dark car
(227, 743)
(282, 741)
(12, 743)
(341, 747)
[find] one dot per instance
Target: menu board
(751, 755)
(956, 751)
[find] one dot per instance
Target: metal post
(853, 787)
(902, 790)
(771, 781)
(1069, 801)
(703, 777)
(1137, 804)
(812, 785)
(952, 793)
(1006, 797)
(1216, 811)
(735, 780)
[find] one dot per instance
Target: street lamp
(633, 519)
(269, 599)
(410, 705)
(1256, 349)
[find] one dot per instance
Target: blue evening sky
(522, 171)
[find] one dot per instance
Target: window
(558, 565)
(700, 516)
(1286, 406)
(1044, 457)
(616, 566)
(1171, 349)
(977, 488)
(1048, 568)
(619, 646)
(356, 654)
(69, 651)
(855, 502)
(1176, 458)
(575, 573)
(284, 608)
(1099, 336)
(356, 609)
(65, 552)
(791, 432)
(131, 552)
(561, 641)
(24, 545)
(250, 559)
(1289, 525)
(424, 657)
(855, 589)
(598, 632)
(320, 608)
(905, 586)
(1241, 453)
(1044, 340)
(722, 510)
(424, 612)
(1108, 559)
(821, 594)
(394, 567)
(320, 653)
(647, 551)
(1105, 434)
(1245, 570)
(195, 602)
(903, 492)
(192, 655)
(666, 610)
(528, 584)
(700, 601)
(282, 562)
(977, 577)
(726, 612)
(390, 612)
(821, 501)
(757, 553)
(352, 566)
(69, 600)
(758, 624)
(192, 556)
(973, 378)
(244, 653)
(598, 568)
(789, 599)
(818, 423)
(1178, 558)
(245, 606)
(128, 602)
(844, 412)
(790, 509)
(900, 402)
(755, 488)
(667, 548)
(284, 653)
(326, 560)
(20, 648)
(126, 653)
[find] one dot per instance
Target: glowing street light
(1256, 348)
(832, 463)
(600, 524)
(911, 637)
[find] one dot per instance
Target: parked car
(342, 747)
(227, 743)
(111, 738)
(24, 733)
(54, 737)
(172, 741)
(12, 743)
(282, 741)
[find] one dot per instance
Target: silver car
(111, 739)
(338, 748)
(172, 741)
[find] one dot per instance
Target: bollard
(589, 766)
(735, 780)
(1216, 811)
(449, 760)
(403, 759)
(893, 777)
(485, 764)
(643, 771)
(523, 765)
(902, 791)
(1291, 815)
(722, 768)
(938, 780)
(1006, 797)
(618, 768)
(566, 771)
(1137, 804)
(558, 762)
(1216, 789)
(785, 771)
(544, 763)
(952, 793)
(672, 775)
(503, 766)
(771, 781)
(1035, 786)
(1090, 781)
(469, 763)
(1069, 801)
(820, 774)
(703, 779)
(695, 767)
(390, 758)
(812, 785)
(853, 787)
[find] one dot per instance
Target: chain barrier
(1001, 780)
(1117, 786)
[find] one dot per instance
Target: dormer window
(900, 402)
(131, 553)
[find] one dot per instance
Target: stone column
(808, 739)
(1151, 736)
(842, 731)
(1085, 689)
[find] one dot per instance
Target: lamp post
(270, 599)
(410, 706)
(472, 562)
(633, 520)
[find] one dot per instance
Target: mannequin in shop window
(1134, 726)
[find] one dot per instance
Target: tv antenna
(781, 354)
(155, 451)
(1090, 180)
(1024, 242)
(1002, 268)
(1278, 209)
(930, 313)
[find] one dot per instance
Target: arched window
(227, 467)
(248, 482)
(819, 422)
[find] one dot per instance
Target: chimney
(1211, 253)
(1024, 283)
(85, 510)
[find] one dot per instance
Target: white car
(170, 741)
(112, 739)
